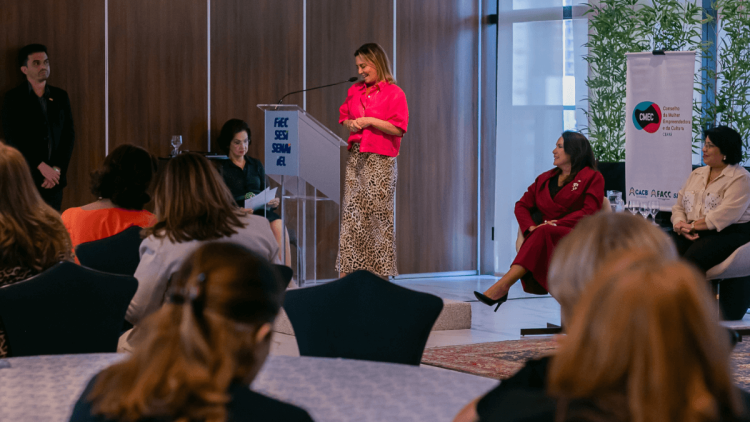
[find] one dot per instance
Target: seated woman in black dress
(245, 175)
(203, 348)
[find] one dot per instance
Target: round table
(45, 388)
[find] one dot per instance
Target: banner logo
(281, 122)
(654, 193)
(647, 116)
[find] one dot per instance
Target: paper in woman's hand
(260, 200)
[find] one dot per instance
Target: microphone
(352, 79)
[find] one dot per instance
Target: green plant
(732, 75)
(613, 31)
(671, 25)
(622, 26)
(675, 26)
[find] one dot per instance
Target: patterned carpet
(502, 359)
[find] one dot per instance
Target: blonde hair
(198, 343)
(192, 202)
(581, 253)
(647, 330)
(374, 53)
(32, 235)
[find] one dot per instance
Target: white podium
(303, 156)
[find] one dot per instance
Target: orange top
(87, 226)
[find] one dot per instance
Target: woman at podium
(245, 175)
(376, 114)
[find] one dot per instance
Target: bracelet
(692, 227)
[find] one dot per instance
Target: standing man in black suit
(37, 120)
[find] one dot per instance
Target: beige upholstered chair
(731, 280)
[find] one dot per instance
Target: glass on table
(176, 142)
(633, 206)
(654, 209)
(644, 210)
(614, 196)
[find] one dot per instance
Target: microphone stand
(352, 79)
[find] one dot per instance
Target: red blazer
(581, 197)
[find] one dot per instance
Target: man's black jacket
(25, 128)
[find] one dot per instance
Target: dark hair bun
(125, 177)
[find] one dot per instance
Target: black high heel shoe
(489, 302)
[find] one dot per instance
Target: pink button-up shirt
(385, 101)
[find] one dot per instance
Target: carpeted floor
(500, 360)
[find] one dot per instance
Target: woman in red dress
(548, 211)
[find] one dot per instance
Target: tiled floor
(522, 310)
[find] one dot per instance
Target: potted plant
(729, 82)
(617, 27)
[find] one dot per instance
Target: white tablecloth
(44, 388)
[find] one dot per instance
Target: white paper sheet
(260, 200)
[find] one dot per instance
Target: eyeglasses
(708, 145)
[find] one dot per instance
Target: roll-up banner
(658, 125)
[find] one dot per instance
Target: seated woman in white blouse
(711, 218)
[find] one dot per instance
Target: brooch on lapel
(575, 185)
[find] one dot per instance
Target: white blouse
(160, 258)
(723, 202)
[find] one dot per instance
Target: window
(541, 93)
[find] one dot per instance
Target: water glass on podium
(176, 142)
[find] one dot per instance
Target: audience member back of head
(202, 350)
(643, 344)
(193, 206)
(32, 236)
(121, 185)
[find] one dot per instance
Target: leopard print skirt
(368, 234)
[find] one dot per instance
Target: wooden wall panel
(335, 30)
(158, 86)
(256, 57)
(436, 222)
(73, 31)
(158, 73)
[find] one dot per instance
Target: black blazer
(240, 181)
(25, 128)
